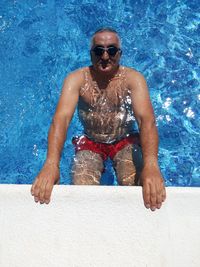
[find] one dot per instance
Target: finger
(42, 191)
(48, 191)
(146, 195)
(153, 199)
(159, 201)
(33, 186)
(164, 195)
(37, 189)
(32, 189)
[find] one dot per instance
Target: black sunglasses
(99, 50)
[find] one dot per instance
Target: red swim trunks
(105, 150)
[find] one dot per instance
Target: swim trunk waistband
(105, 150)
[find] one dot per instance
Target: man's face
(105, 63)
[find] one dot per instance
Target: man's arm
(49, 175)
(153, 184)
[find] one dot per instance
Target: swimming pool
(42, 41)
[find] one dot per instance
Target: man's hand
(44, 182)
(154, 192)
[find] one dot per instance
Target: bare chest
(112, 96)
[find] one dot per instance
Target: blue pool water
(41, 41)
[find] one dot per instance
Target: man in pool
(109, 97)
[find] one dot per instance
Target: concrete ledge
(98, 226)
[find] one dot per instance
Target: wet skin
(106, 113)
(103, 107)
(104, 68)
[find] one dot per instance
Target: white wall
(98, 226)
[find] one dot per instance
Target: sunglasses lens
(98, 51)
(112, 51)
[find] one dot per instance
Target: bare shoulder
(134, 77)
(76, 77)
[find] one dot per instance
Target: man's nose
(105, 55)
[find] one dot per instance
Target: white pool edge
(99, 226)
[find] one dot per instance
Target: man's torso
(105, 110)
